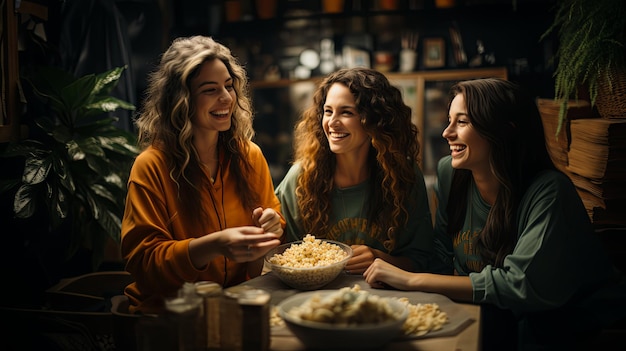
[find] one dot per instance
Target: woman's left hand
(268, 219)
(381, 274)
(362, 257)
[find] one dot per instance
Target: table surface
(465, 338)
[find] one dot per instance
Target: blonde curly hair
(165, 118)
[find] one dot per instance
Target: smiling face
(213, 97)
(469, 150)
(342, 122)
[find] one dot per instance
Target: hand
(268, 219)
(381, 274)
(244, 244)
(362, 257)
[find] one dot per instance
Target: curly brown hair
(165, 119)
(392, 158)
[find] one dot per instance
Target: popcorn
(310, 264)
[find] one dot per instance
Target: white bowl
(308, 278)
(327, 336)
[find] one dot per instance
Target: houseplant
(68, 179)
(590, 53)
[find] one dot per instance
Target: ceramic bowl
(308, 278)
(326, 336)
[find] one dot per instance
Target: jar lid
(254, 297)
(235, 291)
(208, 288)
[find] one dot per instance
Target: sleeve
(416, 241)
(286, 192)
(553, 258)
(149, 244)
(442, 258)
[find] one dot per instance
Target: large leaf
(119, 145)
(109, 104)
(112, 224)
(64, 176)
(59, 204)
(105, 82)
(115, 180)
(74, 151)
(91, 146)
(24, 203)
(25, 148)
(36, 170)
(103, 192)
(97, 164)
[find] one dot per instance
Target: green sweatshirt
(349, 220)
(558, 268)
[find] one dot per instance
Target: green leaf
(91, 146)
(112, 224)
(103, 192)
(25, 148)
(109, 104)
(97, 164)
(64, 176)
(105, 82)
(24, 203)
(36, 170)
(119, 145)
(79, 94)
(62, 134)
(59, 205)
(74, 151)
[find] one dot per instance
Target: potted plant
(590, 53)
(67, 180)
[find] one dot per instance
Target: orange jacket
(155, 241)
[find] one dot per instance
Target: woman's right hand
(240, 244)
(248, 243)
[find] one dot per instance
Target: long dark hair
(508, 118)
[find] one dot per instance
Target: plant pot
(611, 99)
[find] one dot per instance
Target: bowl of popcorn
(347, 318)
(310, 263)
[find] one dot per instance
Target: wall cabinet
(278, 105)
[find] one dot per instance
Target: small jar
(211, 294)
(255, 312)
(184, 314)
(244, 317)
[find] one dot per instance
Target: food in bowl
(347, 306)
(348, 318)
(310, 263)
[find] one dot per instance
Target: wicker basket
(611, 99)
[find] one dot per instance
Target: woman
(355, 178)
(201, 203)
(511, 228)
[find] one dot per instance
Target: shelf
(442, 74)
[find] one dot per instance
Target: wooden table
(467, 339)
